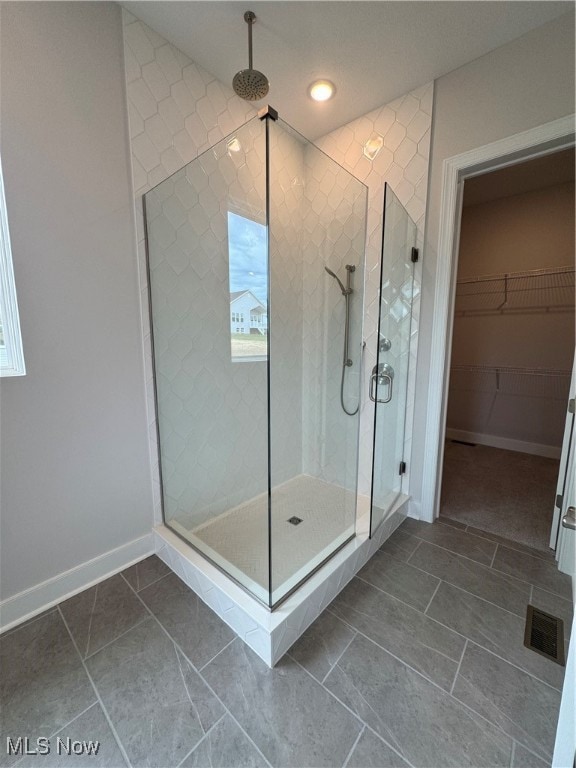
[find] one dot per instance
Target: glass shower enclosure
(257, 400)
(388, 387)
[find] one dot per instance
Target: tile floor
(418, 662)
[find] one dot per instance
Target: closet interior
(512, 350)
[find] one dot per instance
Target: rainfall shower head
(344, 290)
(250, 84)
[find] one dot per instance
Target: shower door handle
(382, 375)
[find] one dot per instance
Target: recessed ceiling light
(321, 90)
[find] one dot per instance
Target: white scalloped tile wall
(333, 234)
(403, 160)
(213, 409)
(286, 186)
(176, 110)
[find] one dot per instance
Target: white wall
(75, 472)
(521, 85)
(404, 125)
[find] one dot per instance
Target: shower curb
(271, 633)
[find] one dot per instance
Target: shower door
(389, 378)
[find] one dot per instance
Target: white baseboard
(414, 509)
(507, 443)
(27, 604)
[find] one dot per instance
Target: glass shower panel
(208, 278)
(389, 378)
(317, 220)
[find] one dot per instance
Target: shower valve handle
(382, 374)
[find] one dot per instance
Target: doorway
(512, 349)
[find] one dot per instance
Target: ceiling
(374, 51)
(547, 171)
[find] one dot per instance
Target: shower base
(237, 540)
(271, 633)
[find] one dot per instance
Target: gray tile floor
(418, 662)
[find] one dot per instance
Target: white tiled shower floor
(237, 540)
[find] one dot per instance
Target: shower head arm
(250, 84)
(249, 18)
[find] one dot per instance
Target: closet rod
(518, 275)
(511, 370)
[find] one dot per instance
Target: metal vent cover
(545, 634)
(294, 520)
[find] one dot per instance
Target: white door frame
(563, 486)
(536, 142)
(565, 743)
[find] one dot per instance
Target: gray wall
(519, 86)
(75, 467)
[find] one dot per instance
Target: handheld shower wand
(347, 291)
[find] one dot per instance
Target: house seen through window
(248, 269)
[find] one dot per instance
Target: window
(11, 352)
(248, 270)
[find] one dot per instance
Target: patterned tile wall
(333, 232)
(176, 111)
(286, 385)
(404, 126)
(213, 410)
(212, 406)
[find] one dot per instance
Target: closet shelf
(551, 383)
(538, 290)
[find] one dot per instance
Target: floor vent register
(544, 634)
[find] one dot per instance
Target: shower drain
(544, 634)
(294, 520)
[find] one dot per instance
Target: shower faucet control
(384, 344)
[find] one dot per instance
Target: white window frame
(12, 354)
